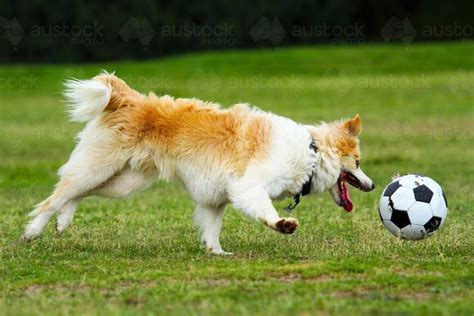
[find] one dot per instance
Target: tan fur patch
(120, 91)
(348, 146)
(353, 126)
(337, 135)
(189, 129)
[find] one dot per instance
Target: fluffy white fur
(87, 99)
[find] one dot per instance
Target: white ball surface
(413, 207)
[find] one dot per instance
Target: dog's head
(348, 151)
(342, 160)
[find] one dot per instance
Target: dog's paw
(26, 239)
(286, 225)
(219, 252)
(222, 253)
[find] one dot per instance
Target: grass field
(141, 255)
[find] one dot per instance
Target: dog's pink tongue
(348, 206)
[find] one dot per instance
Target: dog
(241, 155)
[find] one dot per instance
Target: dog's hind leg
(65, 198)
(66, 215)
(125, 182)
(42, 214)
(70, 189)
(88, 168)
(120, 185)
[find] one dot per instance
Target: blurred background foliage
(77, 30)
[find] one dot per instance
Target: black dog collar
(306, 189)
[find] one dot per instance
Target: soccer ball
(413, 207)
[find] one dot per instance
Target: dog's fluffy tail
(88, 99)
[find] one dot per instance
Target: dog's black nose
(372, 187)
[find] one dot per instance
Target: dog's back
(177, 128)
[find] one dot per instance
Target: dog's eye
(357, 163)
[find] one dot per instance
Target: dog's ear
(353, 126)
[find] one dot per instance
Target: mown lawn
(141, 255)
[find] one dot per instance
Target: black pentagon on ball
(432, 224)
(400, 218)
(423, 194)
(391, 188)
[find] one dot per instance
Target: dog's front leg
(209, 221)
(255, 202)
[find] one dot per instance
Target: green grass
(141, 255)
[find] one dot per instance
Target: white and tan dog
(240, 155)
